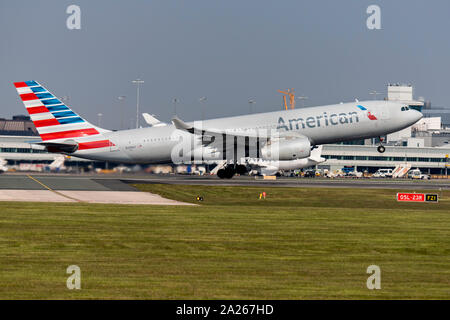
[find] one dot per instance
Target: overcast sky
(228, 51)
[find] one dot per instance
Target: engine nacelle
(286, 149)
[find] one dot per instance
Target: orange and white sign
(417, 197)
(411, 197)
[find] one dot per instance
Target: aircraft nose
(414, 116)
(417, 115)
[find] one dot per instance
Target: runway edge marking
(50, 189)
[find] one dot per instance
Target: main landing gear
(381, 148)
(230, 170)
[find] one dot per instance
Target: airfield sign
(417, 197)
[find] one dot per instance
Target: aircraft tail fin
(54, 121)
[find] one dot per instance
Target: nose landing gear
(381, 148)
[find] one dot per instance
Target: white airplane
(278, 136)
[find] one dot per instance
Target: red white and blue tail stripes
(56, 121)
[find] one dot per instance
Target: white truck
(383, 173)
(416, 174)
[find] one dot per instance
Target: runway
(403, 184)
(122, 183)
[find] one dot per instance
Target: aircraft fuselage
(322, 125)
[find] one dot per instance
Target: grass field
(299, 243)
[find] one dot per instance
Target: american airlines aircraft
(278, 137)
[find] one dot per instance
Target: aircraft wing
(181, 125)
(247, 142)
(210, 134)
(220, 140)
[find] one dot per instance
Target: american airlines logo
(323, 120)
(369, 114)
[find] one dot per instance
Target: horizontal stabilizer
(67, 147)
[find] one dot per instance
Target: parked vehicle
(310, 174)
(383, 173)
(347, 170)
(417, 174)
(355, 174)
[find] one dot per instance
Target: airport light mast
(122, 107)
(137, 82)
(175, 100)
(302, 99)
(99, 121)
(251, 102)
(374, 93)
(203, 101)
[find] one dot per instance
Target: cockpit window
(405, 108)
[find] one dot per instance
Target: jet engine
(286, 149)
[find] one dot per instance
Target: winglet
(181, 125)
(316, 154)
(152, 121)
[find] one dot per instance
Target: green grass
(299, 243)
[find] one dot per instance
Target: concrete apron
(111, 197)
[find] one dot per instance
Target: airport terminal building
(17, 136)
(367, 158)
